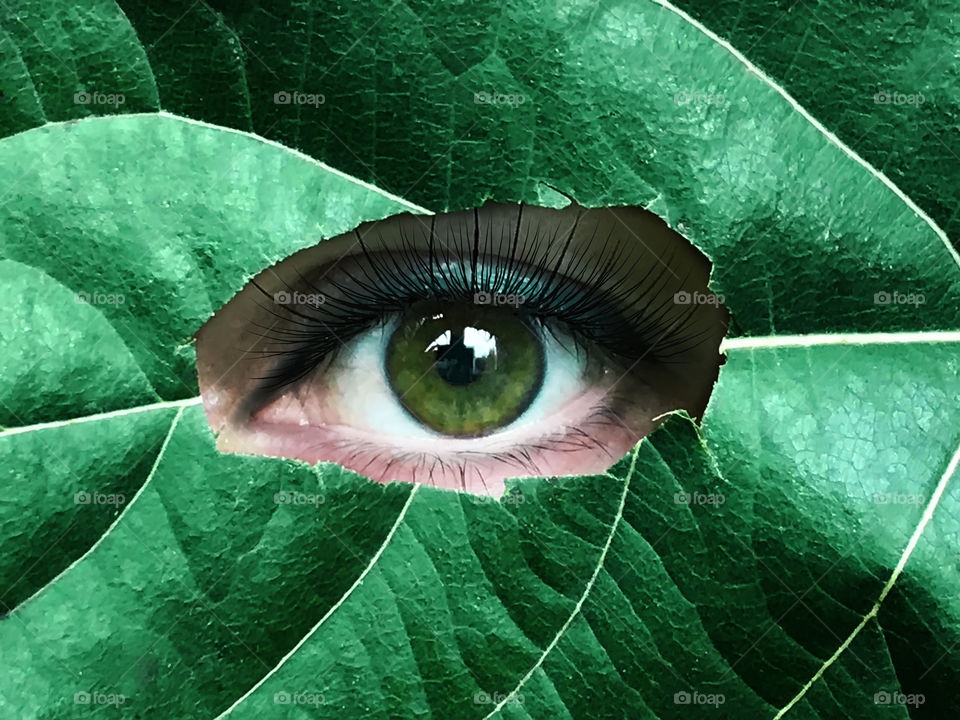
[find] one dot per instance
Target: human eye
(460, 349)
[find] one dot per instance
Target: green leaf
(70, 60)
(222, 63)
(103, 322)
(168, 250)
(825, 576)
(864, 51)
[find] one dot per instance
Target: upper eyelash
(392, 281)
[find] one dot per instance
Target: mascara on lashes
(605, 300)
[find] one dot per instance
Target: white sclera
(360, 394)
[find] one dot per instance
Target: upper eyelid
(538, 290)
(421, 258)
(534, 264)
(533, 271)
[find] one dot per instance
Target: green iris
(464, 370)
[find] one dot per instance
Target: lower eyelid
(477, 465)
(589, 408)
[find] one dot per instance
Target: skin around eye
(462, 349)
(347, 413)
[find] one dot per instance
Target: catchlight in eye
(464, 348)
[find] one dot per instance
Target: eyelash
(630, 330)
(518, 456)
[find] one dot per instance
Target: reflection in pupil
(461, 356)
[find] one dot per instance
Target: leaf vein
(360, 578)
(586, 591)
(905, 556)
(108, 532)
(816, 123)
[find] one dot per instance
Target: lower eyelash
(520, 457)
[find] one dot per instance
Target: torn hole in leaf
(461, 349)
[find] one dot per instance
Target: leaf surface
(824, 577)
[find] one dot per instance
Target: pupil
(461, 356)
